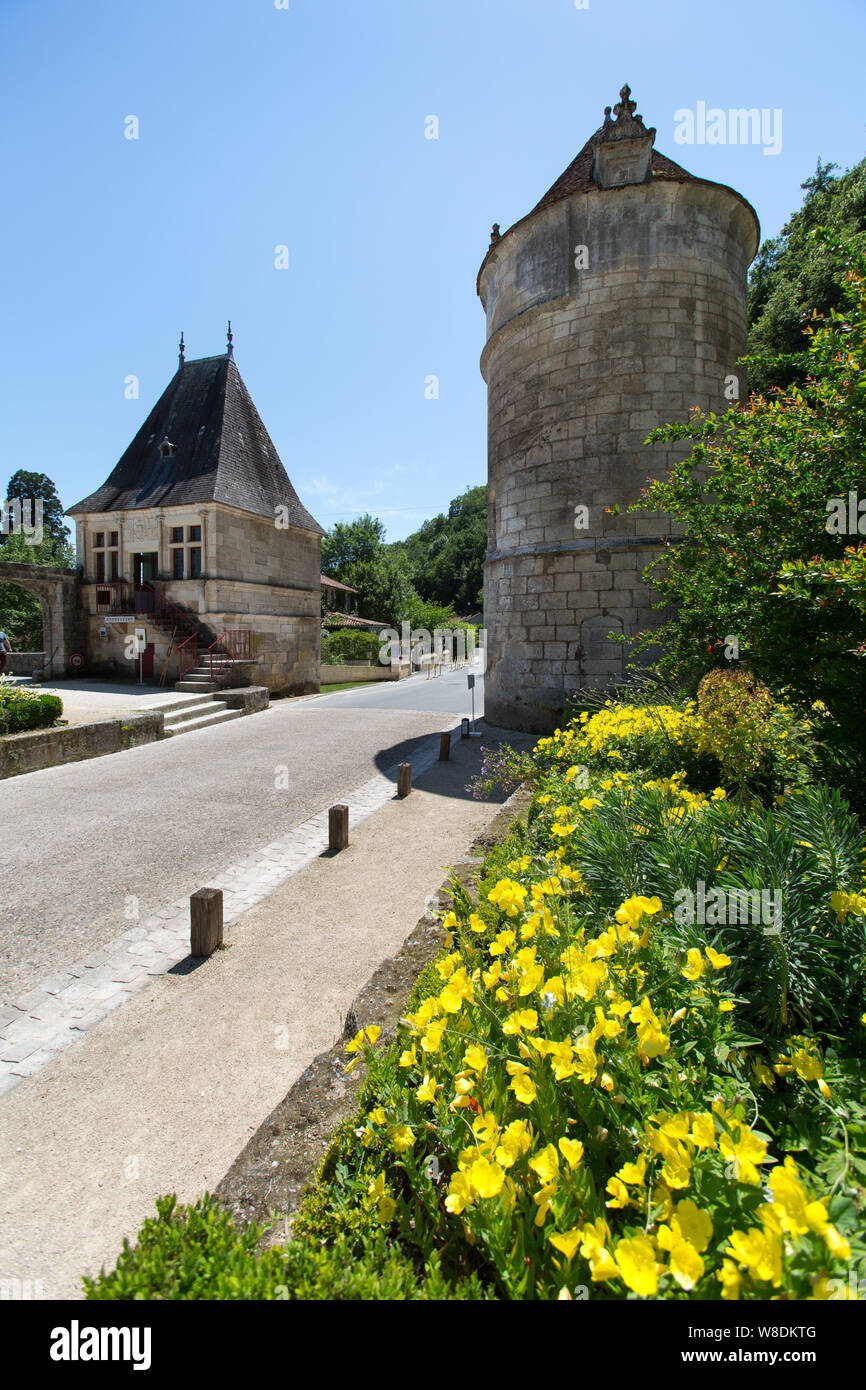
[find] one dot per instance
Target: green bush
(199, 1254)
(27, 709)
(350, 644)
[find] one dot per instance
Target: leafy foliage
(350, 644)
(753, 497)
(22, 709)
(792, 277)
(27, 486)
(445, 556)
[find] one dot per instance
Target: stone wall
(581, 364)
(338, 675)
(38, 748)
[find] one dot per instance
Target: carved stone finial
(180, 351)
(495, 234)
(230, 352)
(622, 148)
(624, 106)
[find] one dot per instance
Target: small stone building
(617, 304)
(199, 537)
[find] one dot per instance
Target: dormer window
(167, 449)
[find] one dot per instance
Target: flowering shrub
(503, 769)
(596, 1094)
(579, 1099)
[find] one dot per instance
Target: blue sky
(304, 127)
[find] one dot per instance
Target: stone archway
(57, 591)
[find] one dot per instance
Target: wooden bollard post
(404, 779)
(444, 748)
(205, 921)
(338, 827)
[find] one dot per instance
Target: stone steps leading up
(199, 717)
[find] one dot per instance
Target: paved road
(80, 842)
(449, 694)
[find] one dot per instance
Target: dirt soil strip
(269, 1176)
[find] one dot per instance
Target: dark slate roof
(222, 452)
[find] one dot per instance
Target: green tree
(20, 611)
(29, 486)
(350, 543)
(755, 496)
(792, 276)
(354, 553)
(446, 555)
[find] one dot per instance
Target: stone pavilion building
(199, 537)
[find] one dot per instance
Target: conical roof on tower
(583, 173)
(204, 441)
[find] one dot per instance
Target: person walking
(5, 649)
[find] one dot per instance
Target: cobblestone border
(271, 1172)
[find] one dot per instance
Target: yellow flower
(635, 1259)
(763, 1074)
(730, 1279)
(542, 1201)
(508, 896)
(634, 1173)
(370, 1035)
(387, 1208)
(572, 1151)
(760, 1252)
(459, 1194)
(515, 1140)
(431, 1040)
(686, 1265)
(619, 1194)
(727, 1006)
(717, 961)
(703, 1131)
(475, 1057)
(567, 1242)
(635, 908)
(401, 1137)
(744, 1152)
(694, 967)
(477, 923)
(524, 1088)
(692, 1224)
(428, 1088)
(520, 1020)
(487, 1178)
(409, 1058)
(546, 1164)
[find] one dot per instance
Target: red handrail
(235, 644)
(187, 654)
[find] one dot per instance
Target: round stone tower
(617, 304)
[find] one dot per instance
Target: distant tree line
(427, 579)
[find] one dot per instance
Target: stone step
(196, 687)
(202, 721)
(200, 705)
(189, 702)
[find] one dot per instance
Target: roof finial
(180, 350)
(624, 106)
(230, 352)
(495, 234)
